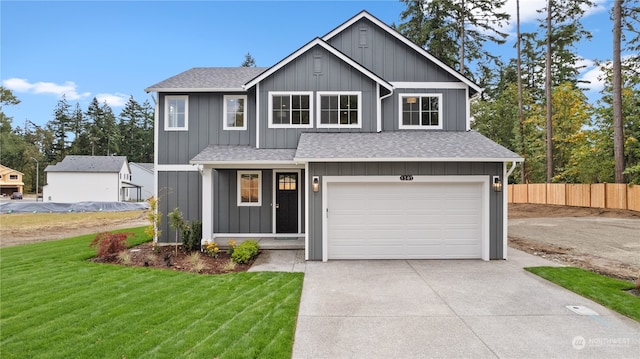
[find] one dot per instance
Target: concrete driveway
(451, 309)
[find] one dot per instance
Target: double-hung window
(234, 112)
(249, 188)
(420, 111)
(340, 109)
(292, 110)
(176, 113)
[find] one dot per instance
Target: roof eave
(409, 159)
(197, 89)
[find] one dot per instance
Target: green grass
(607, 291)
(56, 304)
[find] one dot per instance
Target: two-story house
(10, 181)
(359, 142)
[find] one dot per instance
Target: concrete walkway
(447, 309)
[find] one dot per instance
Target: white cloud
(595, 76)
(113, 100)
(529, 10)
(69, 88)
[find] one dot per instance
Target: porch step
(266, 242)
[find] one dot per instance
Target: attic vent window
(363, 37)
(317, 64)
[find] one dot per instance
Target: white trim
(505, 210)
(306, 211)
(225, 125)
(468, 109)
(401, 126)
(483, 179)
(319, 94)
(252, 235)
(239, 202)
(327, 47)
(270, 95)
(156, 135)
(408, 159)
(397, 35)
(257, 115)
(175, 168)
(273, 207)
(194, 89)
(184, 98)
(378, 109)
(207, 203)
(429, 85)
(250, 164)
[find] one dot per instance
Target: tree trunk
(461, 19)
(520, 111)
(618, 128)
(548, 96)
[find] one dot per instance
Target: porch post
(207, 204)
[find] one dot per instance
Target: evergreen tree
(249, 61)
(455, 31)
(60, 126)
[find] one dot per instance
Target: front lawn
(609, 292)
(56, 304)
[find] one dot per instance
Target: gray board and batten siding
(402, 168)
(387, 56)
(182, 190)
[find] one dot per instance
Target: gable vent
(363, 37)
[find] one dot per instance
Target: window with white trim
(290, 110)
(420, 111)
(234, 112)
(176, 113)
(249, 188)
(13, 177)
(339, 109)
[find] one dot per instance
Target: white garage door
(404, 220)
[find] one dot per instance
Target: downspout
(379, 110)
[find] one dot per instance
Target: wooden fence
(598, 195)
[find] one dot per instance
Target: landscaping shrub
(192, 235)
(245, 251)
(110, 243)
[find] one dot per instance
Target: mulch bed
(166, 257)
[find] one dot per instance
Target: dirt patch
(31, 228)
(571, 255)
(167, 257)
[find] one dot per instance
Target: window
(287, 182)
(13, 177)
(421, 111)
(249, 188)
(290, 109)
(176, 110)
(235, 112)
(339, 110)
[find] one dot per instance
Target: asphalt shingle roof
(221, 153)
(407, 145)
(89, 164)
(208, 79)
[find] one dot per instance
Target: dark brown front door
(287, 203)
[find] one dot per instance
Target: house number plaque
(406, 178)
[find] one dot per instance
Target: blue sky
(115, 49)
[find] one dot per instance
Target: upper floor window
(176, 111)
(13, 177)
(235, 112)
(339, 109)
(290, 109)
(421, 111)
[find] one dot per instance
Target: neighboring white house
(142, 174)
(88, 178)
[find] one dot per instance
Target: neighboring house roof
(397, 35)
(331, 49)
(207, 79)
(438, 146)
(89, 164)
(5, 169)
(220, 154)
(145, 166)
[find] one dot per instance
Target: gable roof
(106, 164)
(318, 42)
(145, 166)
(406, 41)
(221, 154)
(410, 146)
(4, 169)
(208, 79)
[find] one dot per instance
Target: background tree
(249, 61)
(60, 126)
(455, 31)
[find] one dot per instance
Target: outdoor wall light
(316, 183)
(497, 184)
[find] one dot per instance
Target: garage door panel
(404, 220)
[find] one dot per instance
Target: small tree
(155, 217)
(176, 221)
(110, 243)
